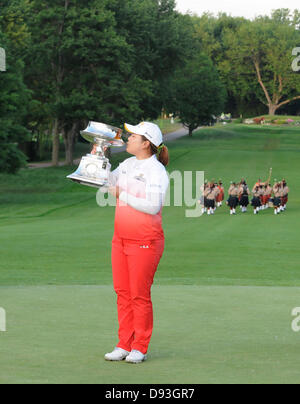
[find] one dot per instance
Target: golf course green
(223, 293)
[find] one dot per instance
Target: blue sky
(248, 9)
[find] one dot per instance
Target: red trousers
(134, 264)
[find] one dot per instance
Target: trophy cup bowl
(94, 169)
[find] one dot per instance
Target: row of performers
(264, 196)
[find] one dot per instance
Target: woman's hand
(114, 191)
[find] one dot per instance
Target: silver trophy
(94, 169)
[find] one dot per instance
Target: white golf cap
(148, 129)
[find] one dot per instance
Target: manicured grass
(202, 334)
(225, 286)
(53, 232)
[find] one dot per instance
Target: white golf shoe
(118, 354)
(136, 357)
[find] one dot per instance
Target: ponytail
(161, 152)
(163, 155)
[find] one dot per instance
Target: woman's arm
(155, 192)
(152, 204)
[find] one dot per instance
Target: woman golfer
(139, 184)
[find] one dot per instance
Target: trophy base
(93, 171)
(86, 181)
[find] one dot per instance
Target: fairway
(203, 334)
(223, 293)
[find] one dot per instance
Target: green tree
(14, 96)
(197, 93)
(210, 32)
(74, 64)
(106, 60)
(160, 40)
(259, 57)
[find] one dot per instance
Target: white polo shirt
(143, 185)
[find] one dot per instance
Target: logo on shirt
(155, 186)
(140, 177)
(144, 246)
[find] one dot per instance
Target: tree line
(72, 61)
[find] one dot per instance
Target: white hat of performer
(148, 129)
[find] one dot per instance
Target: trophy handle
(95, 151)
(99, 148)
(119, 135)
